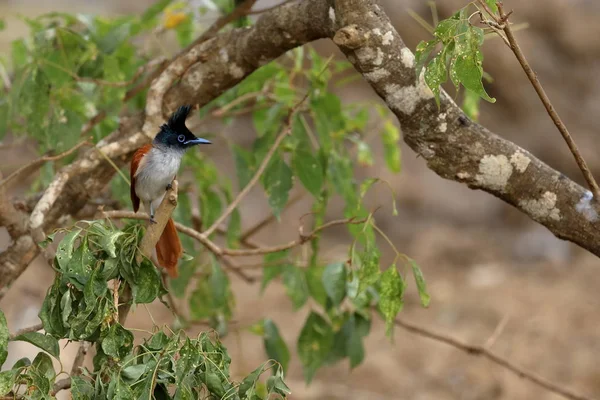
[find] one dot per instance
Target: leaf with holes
(390, 301)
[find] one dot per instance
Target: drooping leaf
(390, 137)
(274, 344)
(492, 5)
(314, 281)
(64, 252)
(334, 282)
(314, 343)
(274, 265)
(420, 280)
(275, 384)
(148, 283)
(243, 165)
(422, 53)
(118, 342)
(45, 342)
(4, 335)
(369, 271)
(295, 285)
(390, 301)
(7, 381)
(309, 170)
(277, 181)
(436, 74)
(81, 389)
(247, 388)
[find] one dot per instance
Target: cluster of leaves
(459, 57)
(79, 306)
(192, 368)
(328, 140)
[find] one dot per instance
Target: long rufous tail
(169, 249)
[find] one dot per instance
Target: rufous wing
(135, 163)
(169, 249)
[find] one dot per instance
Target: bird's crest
(177, 120)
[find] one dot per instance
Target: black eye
(181, 138)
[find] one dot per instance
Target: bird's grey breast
(156, 171)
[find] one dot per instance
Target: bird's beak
(198, 141)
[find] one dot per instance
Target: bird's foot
(152, 220)
(169, 187)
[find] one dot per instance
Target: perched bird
(153, 168)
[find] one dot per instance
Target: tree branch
(481, 351)
(33, 328)
(535, 82)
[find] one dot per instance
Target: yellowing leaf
(173, 19)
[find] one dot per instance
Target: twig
(514, 46)
(79, 358)
(481, 351)
(285, 132)
(219, 251)
(264, 10)
(497, 332)
(34, 328)
(34, 165)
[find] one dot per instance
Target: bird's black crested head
(175, 134)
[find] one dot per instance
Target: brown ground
(484, 262)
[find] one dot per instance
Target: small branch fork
(500, 23)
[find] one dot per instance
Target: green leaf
(275, 384)
(369, 272)
(390, 137)
(4, 335)
(314, 281)
(44, 342)
(420, 280)
(422, 53)
(470, 104)
(277, 181)
(390, 301)
(274, 264)
(469, 60)
(295, 285)
(492, 5)
(7, 381)
(274, 344)
(436, 74)
(148, 283)
(243, 165)
(356, 328)
(2, 24)
(81, 389)
(118, 342)
(133, 372)
(334, 281)
(364, 154)
(64, 252)
(309, 170)
(314, 343)
(234, 229)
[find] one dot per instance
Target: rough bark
(453, 146)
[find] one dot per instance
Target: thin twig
(481, 351)
(497, 332)
(264, 10)
(34, 328)
(514, 46)
(285, 132)
(219, 251)
(34, 165)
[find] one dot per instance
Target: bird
(153, 168)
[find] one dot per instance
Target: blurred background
(486, 265)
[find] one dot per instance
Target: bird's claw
(169, 186)
(152, 220)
